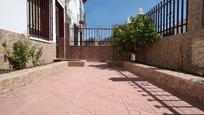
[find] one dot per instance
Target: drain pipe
(65, 34)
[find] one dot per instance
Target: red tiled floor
(93, 90)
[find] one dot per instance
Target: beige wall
(95, 53)
(49, 49)
(162, 53)
(172, 52)
(180, 52)
(90, 53)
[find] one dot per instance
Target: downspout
(66, 2)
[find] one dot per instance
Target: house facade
(45, 22)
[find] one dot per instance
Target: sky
(105, 13)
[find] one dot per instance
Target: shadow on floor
(167, 98)
(155, 90)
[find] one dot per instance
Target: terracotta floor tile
(93, 90)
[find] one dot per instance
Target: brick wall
(180, 52)
(49, 49)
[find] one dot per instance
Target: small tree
(131, 37)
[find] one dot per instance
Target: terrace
(91, 77)
(96, 89)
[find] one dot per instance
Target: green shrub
(140, 32)
(36, 56)
(20, 54)
(22, 51)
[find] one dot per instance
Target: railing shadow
(157, 92)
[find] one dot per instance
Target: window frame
(40, 19)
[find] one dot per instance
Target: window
(39, 19)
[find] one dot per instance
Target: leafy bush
(36, 55)
(22, 52)
(122, 38)
(137, 34)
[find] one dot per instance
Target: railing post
(81, 37)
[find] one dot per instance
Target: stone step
(76, 63)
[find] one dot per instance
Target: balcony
(81, 18)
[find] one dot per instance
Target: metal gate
(91, 36)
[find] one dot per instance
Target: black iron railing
(91, 36)
(170, 17)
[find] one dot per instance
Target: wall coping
(28, 70)
(172, 73)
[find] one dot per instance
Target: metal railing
(91, 36)
(170, 17)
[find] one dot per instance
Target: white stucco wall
(74, 10)
(13, 15)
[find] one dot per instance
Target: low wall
(186, 85)
(49, 49)
(90, 53)
(183, 52)
(95, 53)
(13, 80)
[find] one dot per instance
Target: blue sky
(105, 13)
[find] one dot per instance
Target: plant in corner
(130, 37)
